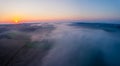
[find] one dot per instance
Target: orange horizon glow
(27, 18)
(17, 19)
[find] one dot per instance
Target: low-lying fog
(59, 44)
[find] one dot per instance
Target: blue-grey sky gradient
(60, 9)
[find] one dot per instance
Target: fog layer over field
(60, 44)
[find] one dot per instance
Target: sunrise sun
(16, 20)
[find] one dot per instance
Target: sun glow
(16, 20)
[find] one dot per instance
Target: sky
(59, 10)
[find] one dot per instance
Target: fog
(60, 44)
(84, 47)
